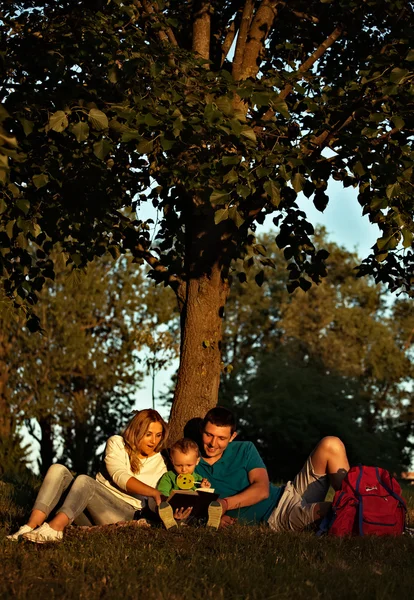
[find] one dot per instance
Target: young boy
(184, 456)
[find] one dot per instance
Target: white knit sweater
(117, 470)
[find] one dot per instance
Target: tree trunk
(200, 358)
(47, 453)
(6, 418)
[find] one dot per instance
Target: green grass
(238, 563)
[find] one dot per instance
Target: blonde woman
(131, 468)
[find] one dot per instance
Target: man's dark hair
(221, 417)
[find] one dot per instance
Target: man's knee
(332, 445)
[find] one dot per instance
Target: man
(237, 472)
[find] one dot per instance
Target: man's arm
(258, 490)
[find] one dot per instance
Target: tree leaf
(23, 204)
(224, 104)
(397, 75)
(271, 188)
(281, 107)
(358, 168)
(221, 215)
(304, 284)
(80, 131)
(259, 278)
(248, 133)
(102, 148)
(27, 126)
(260, 249)
(145, 146)
(218, 197)
(231, 176)
(398, 122)
(392, 190)
(298, 181)
(58, 121)
(40, 180)
(98, 119)
(320, 201)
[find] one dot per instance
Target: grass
(243, 563)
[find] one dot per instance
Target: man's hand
(224, 504)
(227, 521)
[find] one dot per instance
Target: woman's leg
(102, 505)
(56, 482)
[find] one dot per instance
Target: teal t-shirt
(168, 483)
(230, 476)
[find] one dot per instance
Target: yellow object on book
(185, 481)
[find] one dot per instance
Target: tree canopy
(107, 106)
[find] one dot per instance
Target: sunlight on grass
(235, 564)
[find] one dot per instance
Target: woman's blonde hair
(135, 431)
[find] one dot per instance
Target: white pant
(84, 493)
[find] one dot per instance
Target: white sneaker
(15, 536)
(215, 511)
(167, 515)
(43, 535)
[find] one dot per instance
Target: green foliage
(98, 110)
(334, 361)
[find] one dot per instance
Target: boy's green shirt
(168, 482)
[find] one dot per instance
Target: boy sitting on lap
(184, 456)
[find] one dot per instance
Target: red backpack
(368, 503)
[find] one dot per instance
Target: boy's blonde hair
(135, 431)
(185, 445)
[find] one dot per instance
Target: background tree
(13, 455)
(103, 101)
(337, 360)
(77, 381)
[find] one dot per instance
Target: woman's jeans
(83, 493)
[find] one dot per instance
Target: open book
(198, 500)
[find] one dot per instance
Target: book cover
(198, 500)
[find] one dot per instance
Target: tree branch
(246, 20)
(305, 16)
(331, 39)
(202, 29)
(166, 34)
(228, 40)
(175, 282)
(259, 30)
(31, 431)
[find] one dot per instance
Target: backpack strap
(360, 507)
(326, 522)
(389, 490)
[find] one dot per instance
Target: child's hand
(205, 483)
(180, 514)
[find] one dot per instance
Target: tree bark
(201, 29)
(47, 453)
(6, 417)
(200, 359)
